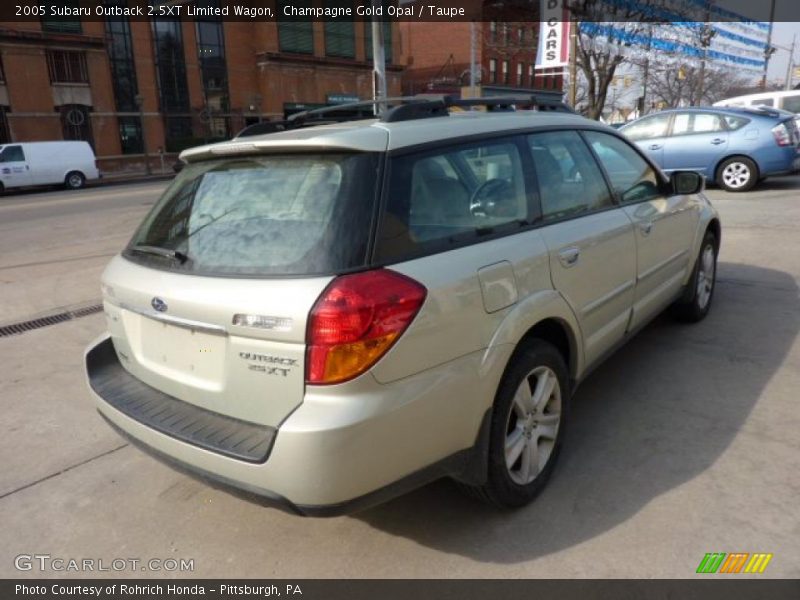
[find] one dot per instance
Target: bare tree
(604, 39)
(682, 86)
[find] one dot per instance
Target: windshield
(296, 214)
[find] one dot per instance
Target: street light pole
(790, 65)
(768, 50)
(378, 61)
(139, 100)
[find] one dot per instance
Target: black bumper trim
(194, 425)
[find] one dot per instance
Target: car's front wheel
(737, 174)
(527, 426)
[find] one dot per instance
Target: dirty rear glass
(298, 214)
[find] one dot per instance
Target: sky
(782, 35)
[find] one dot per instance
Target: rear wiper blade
(159, 251)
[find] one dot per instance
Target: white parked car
(69, 164)
(786, 100)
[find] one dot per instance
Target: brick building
(135, 86)
(437, 57)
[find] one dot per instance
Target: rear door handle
(717, 141)
(655, 147)
(569, 257)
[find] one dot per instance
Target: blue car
(735, 147)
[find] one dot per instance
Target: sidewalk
(134, 177)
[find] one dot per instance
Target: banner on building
(554, 27)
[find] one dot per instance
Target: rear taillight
(782, 136)
(356, 320)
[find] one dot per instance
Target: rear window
(289, 215)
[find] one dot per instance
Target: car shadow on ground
(658, 413)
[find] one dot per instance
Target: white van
(787, 100)
(46, 163)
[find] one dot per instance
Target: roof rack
(405, 108)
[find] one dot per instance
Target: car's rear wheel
(737, 174)
(696, 302)
(527, 426)
(74, 180)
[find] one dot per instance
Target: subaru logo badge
(158, 304)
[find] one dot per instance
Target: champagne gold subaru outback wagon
(335, 313)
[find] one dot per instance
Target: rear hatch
(209, 301)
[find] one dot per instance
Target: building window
(5, 134)
(387, 40)
(2, 71)
(67, 67)
(519, 74)
(60, 24)
(340, 39)
(295, 35)
(493, 70)
(493, 32)
(178, 133)
(130, 135)
(505, 71)
(75, 123)
(170, 65)
(530, 75)
(520, 37)
(506, 29)
(120, 55)
(214, 71)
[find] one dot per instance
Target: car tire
(74, 180)
(737, 174)
(527, 426)
(696, 301)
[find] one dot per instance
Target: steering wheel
(485, 198)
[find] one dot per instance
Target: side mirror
(687, 182)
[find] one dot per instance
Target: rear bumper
(180, 420)
(780, 163)
(342, 449)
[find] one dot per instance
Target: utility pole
(646, 74)
(768, 50)
(573, 61)
(790, 66)
(378, 61)
(473, 92)
(706, 35)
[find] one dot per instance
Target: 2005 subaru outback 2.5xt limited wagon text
(333, 314)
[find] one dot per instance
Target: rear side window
(570, 182)
(631, 177)
(294, 215)
(763, 102)
(12, 154)
(450, 196)
(689, 122)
